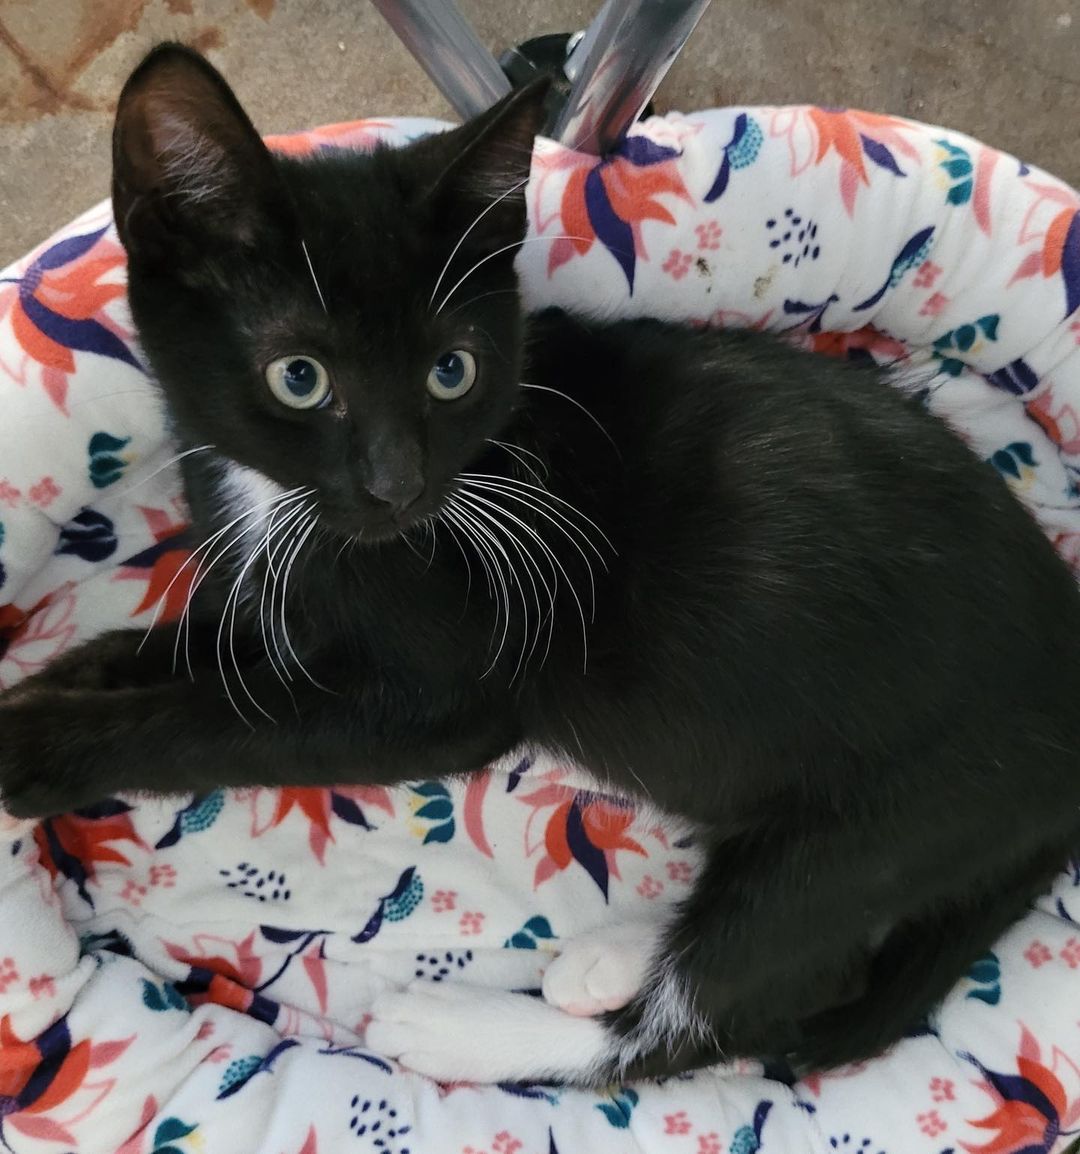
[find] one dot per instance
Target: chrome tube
(630, 47)
(445, 46)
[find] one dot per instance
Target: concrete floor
(1007, 71)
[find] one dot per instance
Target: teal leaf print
(534, 930)
(1012, 461)
(962, 340)
(106, 465)
(739, 152)
(198, 815)
(171, 1130)
(957, 167)
(986, 974)
(914, 252)
(237, 1074)
(437, 809)
(394, 906)
(747, 1138)
(162, 998)
(619, 1109)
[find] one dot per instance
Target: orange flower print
(606, 201)
(31, 638)
(48, 1085)
(1035, 1107)
(854, 138)
(57, 308)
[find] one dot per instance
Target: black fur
(824, 631)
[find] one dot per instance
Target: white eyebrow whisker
(314, 278)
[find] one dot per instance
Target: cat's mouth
(378, 526)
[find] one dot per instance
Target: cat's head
(342, 322)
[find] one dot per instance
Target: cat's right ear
(190, 173)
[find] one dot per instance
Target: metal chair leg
(629, 48)
(448, 50)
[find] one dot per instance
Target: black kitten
(766, 591)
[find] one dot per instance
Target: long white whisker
(566, 397)
(447, 519)
(270, 574)
(159, 608)
(485, 542)
(515, 452)
(314, 520)
(474, 497)
(274, 573)
(159, 469)
(461, 240)
(314, 279)
(544, 496)
(498, 252)
(208, 563)
(530, 565)
(469, 537)
(546, 512)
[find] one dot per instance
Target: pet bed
(194, 975)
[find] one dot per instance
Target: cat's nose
(396, 490)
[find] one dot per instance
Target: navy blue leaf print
(612, 231)
(719, 185)
(280, 935)
(1070, 265)
(880, 155)
(913, 253)
(87, 336)
(348, 810)
(587, 854)
(1017, 378)
(89, 535)
(642, 150)
(65, 251)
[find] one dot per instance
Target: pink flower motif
(709, 1143)
(43, 986)
(677, 264)
(1070, 955)
(44, 492)
(219, 1054)
(471, 923)
(443, 900)
(133, 892)
(927, 274)
(708, 234)
(506, 1143)
(1074, 328)
(9, 975)
(9, 495)
(163, 875)
(677, 1123)
(931, 1124)
(649, 887)
(943, 1089)
(680, 871)
(1038, 955)
(934, 305)
(206, 1030)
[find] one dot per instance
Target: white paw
(602, 969)
(457, 1033)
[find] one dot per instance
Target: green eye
(452, 375)
(299, 382)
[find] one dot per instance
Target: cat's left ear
(190, 173)
(488, 160)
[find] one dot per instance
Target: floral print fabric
(194, 975)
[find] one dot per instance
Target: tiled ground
(1005, 70)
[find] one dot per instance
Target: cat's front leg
(64, 747)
